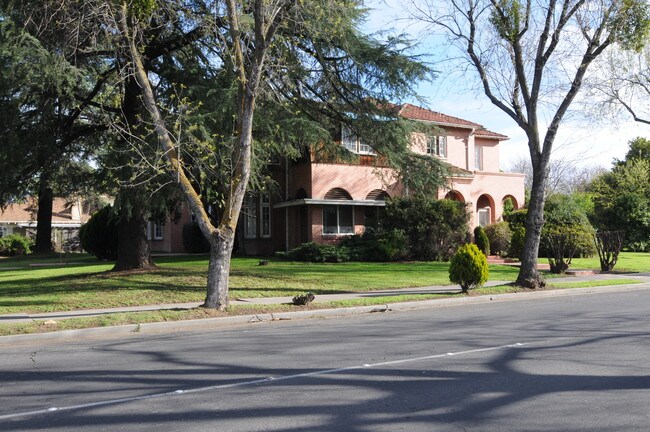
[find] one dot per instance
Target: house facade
(325, 201)
(67, 217)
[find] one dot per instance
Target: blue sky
(587, 140)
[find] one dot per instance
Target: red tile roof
(418, 113)
(485, 133)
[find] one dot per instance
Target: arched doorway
(484, 210)
(455, 196)
(513, 205)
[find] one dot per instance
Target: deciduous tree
(531, 59)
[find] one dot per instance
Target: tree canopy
(622, 197)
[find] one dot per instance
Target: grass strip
(134, 318)
(596, 283)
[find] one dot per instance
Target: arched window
(378, 195)
(338, 219)
(338, 194)
(454, 196)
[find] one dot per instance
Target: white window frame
(158, 235)
(351, 142)
(338, 220)
(265, 216)
(478, 158)
(437, 146)
(250, 217)
(488, 212)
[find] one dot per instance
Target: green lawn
(85, 283)
(627, 262)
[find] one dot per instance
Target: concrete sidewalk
(320, 298)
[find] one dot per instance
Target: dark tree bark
(219, 270)
(133, 251)
(43, 242)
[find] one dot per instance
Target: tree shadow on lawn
(100, 281)
(470, 390)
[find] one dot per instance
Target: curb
(131, 330)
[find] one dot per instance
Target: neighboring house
(168, 237)
(67, 217)
(324, 201)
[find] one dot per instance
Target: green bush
(500, 236)
(193, 239)
(516, 218)
(432, 229)
(15, 244)
(99, 235)
(468, 267)
(314, 252)
(517, 242)
(482, 241)
(568, 211)
(376, 245)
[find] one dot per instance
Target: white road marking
(181, 392)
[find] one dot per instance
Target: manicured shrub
(432, 229)
(468, 267)
(376, 245)
(517, 242)
(99, 235)
(500, 236)
(193, 239)
(314, 252)
(481, 240)
(15, 244)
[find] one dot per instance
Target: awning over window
(313, 201)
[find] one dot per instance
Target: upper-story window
(478, 158)
(352, 142)
(437, 145)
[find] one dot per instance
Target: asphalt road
(578, 363)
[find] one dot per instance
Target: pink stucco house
(326, 201)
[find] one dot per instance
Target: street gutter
(131, 330)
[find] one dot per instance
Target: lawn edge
(152, 328)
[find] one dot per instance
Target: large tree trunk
(219, 270)
(44, 219)
(133, 252)
(528, 276)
